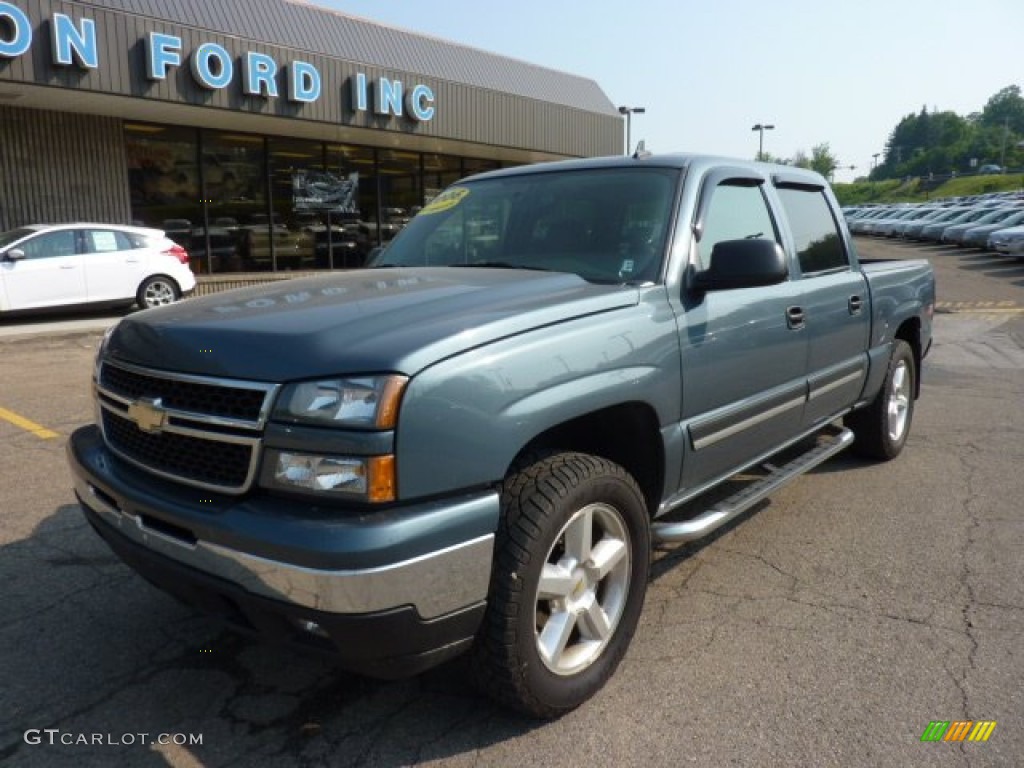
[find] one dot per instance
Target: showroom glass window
(297, 193)
(163, 175)
(474, 165)
(235, 200)
(247, 202)
(401, 190)
(354, 168)
(439, 172)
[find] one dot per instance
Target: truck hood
(367, 321)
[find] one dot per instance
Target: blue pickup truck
(473, 444)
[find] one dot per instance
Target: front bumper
(1011, 247)
(392, 591)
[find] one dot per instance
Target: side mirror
(743, 264)
(15, 254)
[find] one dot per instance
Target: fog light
(321, 473)
(311, 627)
(371, 478)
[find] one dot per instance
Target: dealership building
(263, 134)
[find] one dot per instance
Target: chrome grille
(212, 463)
(210, 432)
(185, 394)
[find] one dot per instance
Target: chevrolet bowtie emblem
(148, 414)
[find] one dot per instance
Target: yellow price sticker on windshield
(446, 200)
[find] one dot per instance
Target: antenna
(641, 150)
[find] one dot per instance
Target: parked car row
(990, 222)
(43, 266)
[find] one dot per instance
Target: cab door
(743, 350)
(836, 301)
(114, 265)
(49, 274)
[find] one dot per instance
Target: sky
(827, 71)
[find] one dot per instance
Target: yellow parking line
(29, 426)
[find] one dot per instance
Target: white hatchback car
(56, 265)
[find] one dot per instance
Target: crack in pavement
(973, 497)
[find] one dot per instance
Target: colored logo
(958, 730)
(148, 414)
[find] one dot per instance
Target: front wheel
(882, 428)
(156, 291)
(572, 557)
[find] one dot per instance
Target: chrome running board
(831, 442)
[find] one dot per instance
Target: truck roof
(682, 161)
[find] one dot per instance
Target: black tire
(157, 291)
(881, 429)
(548, 506)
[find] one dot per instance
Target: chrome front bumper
(437, 580)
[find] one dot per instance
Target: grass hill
(918, 189)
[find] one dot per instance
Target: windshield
(605, 225)
(1014, 218)
(997, 215)
(13, 235)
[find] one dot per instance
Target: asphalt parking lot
(828, 627)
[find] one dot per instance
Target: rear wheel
(570, 574)
(156, 291)
(882, 428)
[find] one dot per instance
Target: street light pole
(629, 112)
(832, 172)
(874, 157)
(761, 128)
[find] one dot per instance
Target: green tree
(935, 143)
(822, 159)
(1005, 109)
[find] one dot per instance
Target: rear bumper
(390, 592)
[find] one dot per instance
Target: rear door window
(106, 241)
(819, 246)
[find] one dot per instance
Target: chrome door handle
(795, 318)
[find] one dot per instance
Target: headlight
(101, 351)
(369, 478)
(369, 402)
